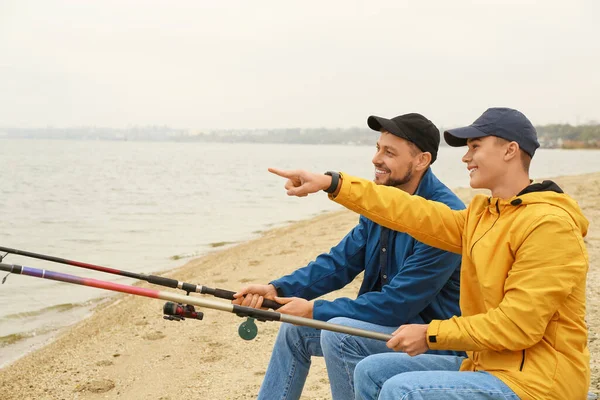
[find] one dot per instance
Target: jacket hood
(549, 192)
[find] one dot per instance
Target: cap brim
(383, 124)
(458, 137)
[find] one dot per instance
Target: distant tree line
(555, 135)
(356, 136)
(569, 136)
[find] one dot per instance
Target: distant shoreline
(550, 136)
(565, 146)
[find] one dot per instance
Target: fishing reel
(248, 329)
(179, 312)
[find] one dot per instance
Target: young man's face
(485, 161)
(394, 160)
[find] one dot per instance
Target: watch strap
(335, 181)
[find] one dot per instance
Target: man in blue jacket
(404, 280)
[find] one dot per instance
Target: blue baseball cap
(505, 123)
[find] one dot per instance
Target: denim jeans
(294, 347)
(401, 377)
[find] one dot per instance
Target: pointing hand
(301, 183)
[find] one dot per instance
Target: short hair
(414, 149)
(525, 158)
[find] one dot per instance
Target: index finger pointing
(282, 173)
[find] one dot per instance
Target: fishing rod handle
(188, 287)
(228, 294)
(167, 282)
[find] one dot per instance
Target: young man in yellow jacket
(524, 267)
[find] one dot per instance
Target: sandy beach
(125, 350)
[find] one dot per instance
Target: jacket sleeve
(428, 221)
(549, 264)
(415, 286)
(328, 272)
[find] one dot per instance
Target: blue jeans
(401, 377)
(294, 347)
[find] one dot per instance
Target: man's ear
(512, 151)
(423, 161)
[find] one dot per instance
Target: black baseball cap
(412, 127)
(505, 123)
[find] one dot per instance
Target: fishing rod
(157, 280)
(247, 331)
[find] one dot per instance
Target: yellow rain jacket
(522, 295)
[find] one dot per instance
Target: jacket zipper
(471, 251)
(473, 245)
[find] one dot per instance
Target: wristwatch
(335, 181)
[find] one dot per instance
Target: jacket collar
(427, 184)
(495, 204)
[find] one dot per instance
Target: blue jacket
(405, 281)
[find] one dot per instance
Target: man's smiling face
(394, 160)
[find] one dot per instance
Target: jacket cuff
(318, 310)
(280, 292)
(344, 189)
(433, 339)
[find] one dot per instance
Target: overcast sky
(275, 64)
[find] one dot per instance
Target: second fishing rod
(154, 279)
